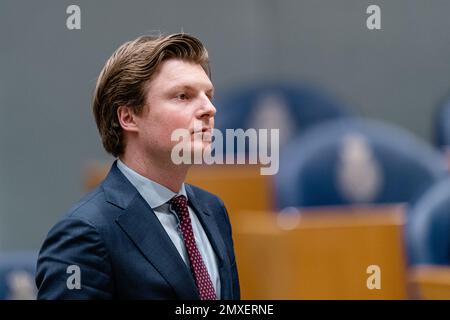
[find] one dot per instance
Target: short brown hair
(124, 77)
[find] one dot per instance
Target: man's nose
(207, 108)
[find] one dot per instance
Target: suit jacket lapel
(212, 231)
(142, 226)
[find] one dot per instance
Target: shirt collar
(154, 193)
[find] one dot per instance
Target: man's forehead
(176, 67)
(179, 73)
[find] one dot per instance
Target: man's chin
(193, 152)
(203, 149)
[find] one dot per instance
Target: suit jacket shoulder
(115, 241)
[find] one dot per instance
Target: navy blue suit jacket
(123, 251)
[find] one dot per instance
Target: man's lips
(204, 134)
(203, 130)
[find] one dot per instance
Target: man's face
(179, 96)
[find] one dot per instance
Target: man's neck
(166, 174)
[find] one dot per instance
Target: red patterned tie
(198, 268)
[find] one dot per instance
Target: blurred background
(362, 114)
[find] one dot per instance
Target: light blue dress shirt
(157, 197)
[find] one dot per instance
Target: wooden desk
(325, 255)
(430, 282)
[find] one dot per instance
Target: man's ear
(127, 119)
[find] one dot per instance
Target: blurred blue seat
(17, 272)
(355, 160)
(442, 126)
(428, 227)
(287, 107)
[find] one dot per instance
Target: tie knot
(179, 204)
(178, 201)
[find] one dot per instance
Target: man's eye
(182, 96)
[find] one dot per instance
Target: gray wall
(47, 74)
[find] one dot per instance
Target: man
(143, 233)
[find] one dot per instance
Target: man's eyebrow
(190, 87)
